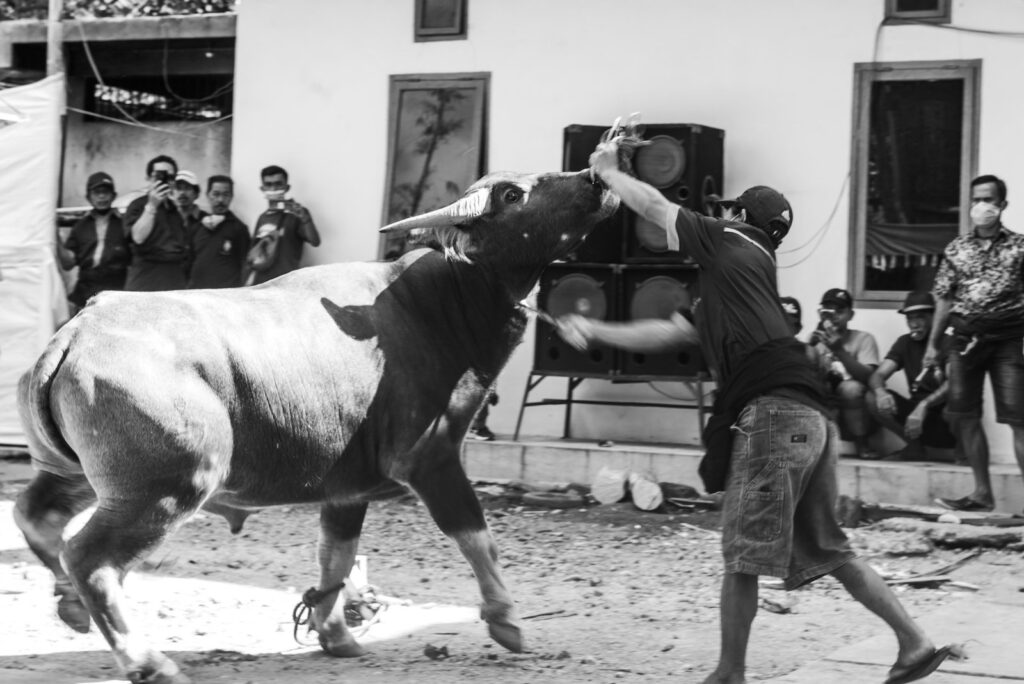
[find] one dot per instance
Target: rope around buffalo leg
(302, 614)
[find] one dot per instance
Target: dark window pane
(913, 199)
(917, 5)
(439, 14)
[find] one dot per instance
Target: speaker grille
(661, 162)
(577, 293)
(659, 297)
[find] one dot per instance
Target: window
(436, 145)
(200, 97)
(932, 11)
(440, 20)
(914, 154)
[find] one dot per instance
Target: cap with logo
(764, 206)
(918, 300)
(790, 306)
(837, 297)
(187, 177)
(97, 180)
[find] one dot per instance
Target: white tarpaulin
(32, 297)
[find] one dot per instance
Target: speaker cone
(659, 297)
(577, 293)
(660, 163)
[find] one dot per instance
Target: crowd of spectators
(165, 239)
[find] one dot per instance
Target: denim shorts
(1003, 360)
(779, 515)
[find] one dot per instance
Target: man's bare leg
(873, 593)
(738, 608)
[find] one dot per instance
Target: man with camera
(847, 358)
(281, 231)
(159, 240)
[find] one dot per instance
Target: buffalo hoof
(73, 613)
(508, 635)
(164, 673)
(346, 648)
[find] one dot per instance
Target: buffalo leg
(119, 535)
(453, 505)
(340, 526)
(42, 511)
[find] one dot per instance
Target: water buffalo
(333, 384)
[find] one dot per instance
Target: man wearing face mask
(281, 231)
(97, 244)
(979, 292)
(220, 242)
(771, 444)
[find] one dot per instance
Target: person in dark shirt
(286, 225)
(97, 245)
(220, 243)
(917, 418)
(160, 249)
(772, 446)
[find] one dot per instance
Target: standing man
(220, 243)
(97, 244)
(158, 238)
(979, 291)
(917, 419)
(282, 230)
(778, 473)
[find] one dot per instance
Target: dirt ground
(606, 593)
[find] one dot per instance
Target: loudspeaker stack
(624, 271)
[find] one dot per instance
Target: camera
(280, 204)
(163, 176)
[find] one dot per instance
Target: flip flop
(919, 670)
(964, 503)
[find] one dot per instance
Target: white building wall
(311, 94)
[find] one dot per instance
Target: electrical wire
(167, 84)
(818, 236)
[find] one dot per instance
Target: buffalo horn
(466, 208)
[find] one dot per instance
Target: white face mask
(274, 195)
(984, 214)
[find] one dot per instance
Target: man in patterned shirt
(979, 291)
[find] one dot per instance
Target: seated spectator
(918, 419)
(847, 358)
(221, 242)
(97, 244)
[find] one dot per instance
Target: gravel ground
(607, 593)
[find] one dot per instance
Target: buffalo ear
(355, 321)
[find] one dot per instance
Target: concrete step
(566, 460)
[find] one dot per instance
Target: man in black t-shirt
(220, 241)
(918, 419)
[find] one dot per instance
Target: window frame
(458, 30)
(942, 14)
(865, 75)
(473, 165)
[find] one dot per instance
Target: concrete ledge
(898, 482)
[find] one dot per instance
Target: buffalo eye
(511, 195)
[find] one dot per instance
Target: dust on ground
(606, 593)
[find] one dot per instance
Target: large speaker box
(657, 291)
(614, 292)
(607, 241)
(589, 290)
(685, 163)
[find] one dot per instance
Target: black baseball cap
(764, 206)
(791, 307)
(98, 179)
(918, 300)
(837, 297)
